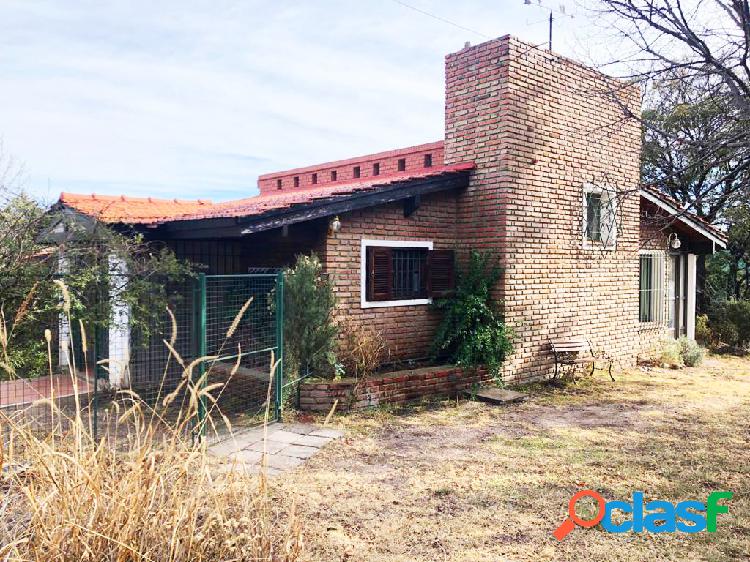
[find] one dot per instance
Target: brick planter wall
(390, 388)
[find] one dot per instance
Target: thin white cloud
(195, 99)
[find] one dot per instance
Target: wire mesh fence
(218, 334)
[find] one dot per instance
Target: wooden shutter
(440, 273)
(379, 273)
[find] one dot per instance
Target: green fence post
(202, 348)
(279, 344)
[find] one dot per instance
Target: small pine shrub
(309, 329)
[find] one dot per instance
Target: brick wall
(342, 171)
(391, 388)
(539, 127)
(408, 330)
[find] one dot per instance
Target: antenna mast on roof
(560, 11)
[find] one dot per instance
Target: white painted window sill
(384, 304)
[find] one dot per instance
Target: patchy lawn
(466, 481)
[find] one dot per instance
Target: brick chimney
(539, 128)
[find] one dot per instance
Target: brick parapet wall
(413, 156)
(539, 127)
(390, 388)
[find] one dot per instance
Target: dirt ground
(467, 481)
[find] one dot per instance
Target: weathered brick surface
(391, 388)
(539, 127)
(408, 330)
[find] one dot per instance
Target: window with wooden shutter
(379, 273)
(440, 273)
(401, 273)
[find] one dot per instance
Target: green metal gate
(239, 330)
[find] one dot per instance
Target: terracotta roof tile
(132, 210)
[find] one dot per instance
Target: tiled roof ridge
(68, 197)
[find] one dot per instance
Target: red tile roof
(150, 211)
(130, 210)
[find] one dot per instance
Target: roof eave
(324, 207)
(683, 217)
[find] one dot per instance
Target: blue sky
(195, 99)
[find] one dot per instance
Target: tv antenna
(560, 11)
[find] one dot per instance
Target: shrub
(669, 353)
(472, 332)
(730, 322)
(690, 352)
(675, 354)
(703, 334)
(363, 350)
(309, 330)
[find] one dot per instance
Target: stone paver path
(287, 446)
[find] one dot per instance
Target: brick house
(539, 164)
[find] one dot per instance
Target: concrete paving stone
(272, 447)
(225, 448)
(248, 457)
(283, 462)
(325, 432)
(282, 436)
(299, 451)
(301, 428)
(251, 435)
(311, 441)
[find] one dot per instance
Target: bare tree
(704, 43)
(707, 39)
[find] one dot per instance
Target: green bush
(730, 323)
(309, 331)
(690, 352)
(472, 332)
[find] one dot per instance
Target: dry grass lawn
(467, 481)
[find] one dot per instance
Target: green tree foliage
(29, 263)
(685, 148)
(472, 332)
(730, 323)
(309, 330)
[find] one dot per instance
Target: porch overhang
(686, 219)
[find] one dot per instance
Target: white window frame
(427, 244)
(608, 242)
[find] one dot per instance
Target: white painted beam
(119, 329)
(692, 268)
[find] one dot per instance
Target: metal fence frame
(202, 301)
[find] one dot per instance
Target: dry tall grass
(151, 494)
